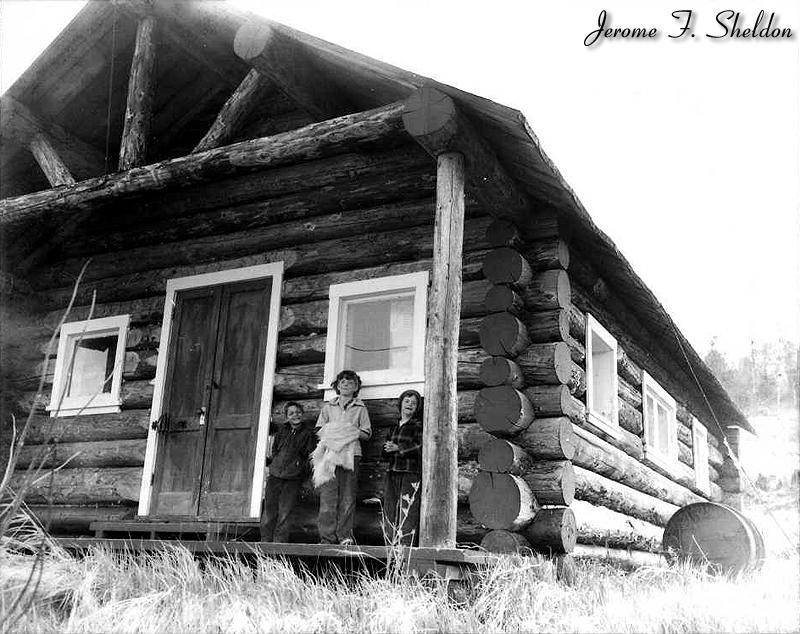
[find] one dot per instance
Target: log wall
(590, 294)
(348, 217)
(533, 401)
(523, 432)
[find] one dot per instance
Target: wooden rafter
(22, 127)
(432, 119)
(343, 134)
(235, 110)
(139, 108)
(52, 165)
(283, 60)
(178, 27)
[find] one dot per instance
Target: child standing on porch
(288, 467)
(342, 424)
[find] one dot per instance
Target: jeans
(279, 499)
(337, 505)
(398, 528)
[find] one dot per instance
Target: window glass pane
(663, 429)
(92, 368)
(603, 371)
(378, 334)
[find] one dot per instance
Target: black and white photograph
(399, 316)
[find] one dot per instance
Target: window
(660, 425)
(89, 363)
(700, 453)
(377, 328)
(601, 377)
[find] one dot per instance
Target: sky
(686, 151)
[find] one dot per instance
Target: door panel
(189, 371)
(234, 408)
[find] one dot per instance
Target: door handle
(161, 424)
(201, 416)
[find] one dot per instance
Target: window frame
(606, 424)
(379, 383)
(103, 403)
(702, 476)
(669, 460)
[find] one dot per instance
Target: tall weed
(172, 591)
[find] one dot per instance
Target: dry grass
(172, 592)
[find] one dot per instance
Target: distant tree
(766, 379)
(717, 361)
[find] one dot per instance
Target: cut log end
(553, 531)
(502, 410)
(503, 335)
(501, 456)
(507, 266)
(501, 501)
(252, 39)
(503, 299)
(501, 371)
(549, 439)
(503, 233)
(428, 111)
(552, 482)
(505, 542)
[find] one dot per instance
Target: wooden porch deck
(231, 539)
(449, 563)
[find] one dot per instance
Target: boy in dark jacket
(288, 467)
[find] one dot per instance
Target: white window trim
(106, 402)
(380, 387)
(668, 461)
(608, 425)
(702, 477)
(274, 270)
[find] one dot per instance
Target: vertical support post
(138, 111)
(440, 438)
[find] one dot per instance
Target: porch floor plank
(442, 556)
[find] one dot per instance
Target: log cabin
(206, 214)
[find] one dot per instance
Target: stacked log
(526, 482)
(590, 295)
(337, 218)
(535, 386)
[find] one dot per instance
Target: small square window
(377, 328)
(700, 456)
(601, 377)
(88, 374)
(660, 425)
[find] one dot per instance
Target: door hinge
(152, 479)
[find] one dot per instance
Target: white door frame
(274, 270)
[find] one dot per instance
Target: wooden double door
(208, 428)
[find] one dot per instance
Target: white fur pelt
(336, 448)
